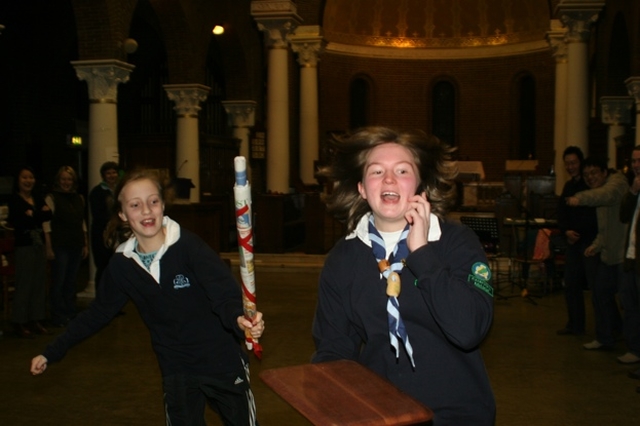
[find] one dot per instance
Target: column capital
(187, 97)
(309, 43)
(633, 86)
(102, 77)
(577, 16)
(555, 37)
(616, 109)
(240, 113)
(276, 18)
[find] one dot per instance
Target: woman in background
(27, 212)
(66, 243)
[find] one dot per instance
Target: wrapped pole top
(240, 166)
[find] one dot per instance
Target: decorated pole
(242, 196)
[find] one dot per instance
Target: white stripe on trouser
(251, 402)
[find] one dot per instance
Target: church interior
(186, 86)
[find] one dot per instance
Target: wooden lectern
(344, 393)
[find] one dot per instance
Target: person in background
(580, 226)
(27, 212)
(608, 186)
(186, 296)
(66, 242)
(101, 205)
(406, 293)
(629, 293)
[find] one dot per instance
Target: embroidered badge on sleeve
(480, 276)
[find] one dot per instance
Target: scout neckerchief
(390, 269)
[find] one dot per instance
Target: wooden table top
(344, 393)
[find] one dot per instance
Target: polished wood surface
(344, 393)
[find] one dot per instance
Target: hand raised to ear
(419, 217)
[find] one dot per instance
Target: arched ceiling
(436, 28)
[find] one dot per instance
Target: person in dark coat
(406, 293)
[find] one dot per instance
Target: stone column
(616, 112)
(241, 117)
(559, 50)
(308, 43)
(102, 77)
(187, 98)
(577, 16)
(633, 86)
(277, 19)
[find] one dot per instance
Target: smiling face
(572, 165)
(26, 181)
(594, 176)
(390, 179)
(111, 177)
(65, 182)
(142, 208)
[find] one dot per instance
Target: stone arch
(102, 26)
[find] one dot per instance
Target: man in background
(101, 203)
(608, 186)
(579, 226)
(630, 275)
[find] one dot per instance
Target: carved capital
(308, 43)
(187, 97)
(103, 77)
(240, 113)
(577, 16)
(276, 18)
(633, 86)
(616, 109)
(556, 37)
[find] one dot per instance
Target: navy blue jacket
(446, 308)
(191, 314)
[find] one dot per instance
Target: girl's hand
(255, 326)
(419, 217)
(38, 365)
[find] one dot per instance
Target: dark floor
(538, 377)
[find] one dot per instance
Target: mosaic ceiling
(434, 24)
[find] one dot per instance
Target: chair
(533, 250)
(7, 271)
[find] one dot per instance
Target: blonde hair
(71, 172)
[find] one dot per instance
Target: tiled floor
(538, 378)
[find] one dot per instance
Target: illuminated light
(76, 140)
(218, 29)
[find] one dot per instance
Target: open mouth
(390, 196)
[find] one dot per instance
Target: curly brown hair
(433, 160)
